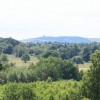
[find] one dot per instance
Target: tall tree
(91, 82)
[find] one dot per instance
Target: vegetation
(52, 70)
(60, 90)
(91, 82)
(77, 60)
(4, 58)
(7, 45)
(25, 57)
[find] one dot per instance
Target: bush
(4, 58)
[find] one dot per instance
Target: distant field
(84, 66)
(19, 62)
(34, 60)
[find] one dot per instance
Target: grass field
(84, 66)
(19, 62)
(34, 60)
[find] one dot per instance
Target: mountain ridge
(70, 39)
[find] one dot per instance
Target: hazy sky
(22, 19)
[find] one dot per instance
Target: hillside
(95, 39)
(7, 45)
(70, 39)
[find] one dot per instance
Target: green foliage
(63, 50)
(3, 77)
(69, 70)
(7, 45)
(56, 68)
(14, 74)
(25, 57)
(49, 80)
(53, 67)
(50, 53)
(56, 65)
(59, 90)
(20, 49)
(14, 91)
(4, 58)
(77, 60)
(1, 66)
(12, 77)
(8, 49)
(91, 82)
(49, 67)
(86, 54)
(22, 77)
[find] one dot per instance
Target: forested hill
(7, 45)
(70, 39)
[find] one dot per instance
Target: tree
(50, 53)
(1, 66)
(91, 82)
(77, 60)
(86, 54)
(8, 49)
(69, 70)
(22, 77)
(4, 58)
(21, 49)
(56, 68)
(12, 77)
(25, 57)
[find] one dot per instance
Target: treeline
(78, 52)
(50, 78)
(53, 67)
(86, 89)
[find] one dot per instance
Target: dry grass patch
(84, 66)
(19, 62)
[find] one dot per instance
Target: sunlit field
(84, 66)
(18, 62)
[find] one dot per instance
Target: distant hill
(70, 39)
(7, 45)
(8, 41)
(94, 39)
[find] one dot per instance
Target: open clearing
(34, 60)
(84, 66)
(19, 62)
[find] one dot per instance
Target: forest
(49, 70)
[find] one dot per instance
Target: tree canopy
(91, 82)
(25, 57)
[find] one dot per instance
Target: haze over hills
(70, 39)
(95, 39)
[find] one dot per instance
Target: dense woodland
(56, 76)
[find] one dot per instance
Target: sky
(22, 19)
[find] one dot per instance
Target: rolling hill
(70, 39)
